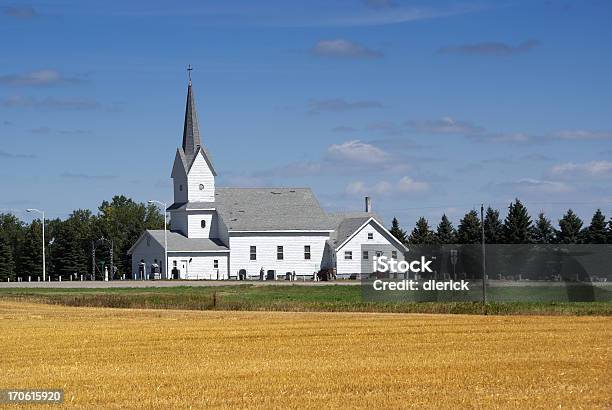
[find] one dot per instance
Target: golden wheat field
(119, 358)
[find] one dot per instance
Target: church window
(365, 255)
(279, 253)
(216, 263)
(201, 187)
(253, 252)
(348, 255)
(203, 223)
(306, 251)
(370, 235)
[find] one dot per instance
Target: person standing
(261, 273)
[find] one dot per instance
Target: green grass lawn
(331, 298)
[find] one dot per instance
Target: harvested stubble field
(129, 358)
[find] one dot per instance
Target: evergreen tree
(446, 233)
(469, 230)
(421, 234)
(597, 232)
(517, 225)
(14, 231)
(30, 256)
(72, 244)
(7, 264)
(569, 228)
(543, 231)
(493, 226)
(398, 232)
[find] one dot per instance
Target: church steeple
(191, 130)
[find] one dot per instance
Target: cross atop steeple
(189, 70)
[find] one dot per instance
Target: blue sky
(429, 107)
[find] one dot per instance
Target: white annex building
(223, 233)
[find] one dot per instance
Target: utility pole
(44, 262)
(484, 264)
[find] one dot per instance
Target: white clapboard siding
(201, 265)
(380, 237)
(194, 227)
(180, 183)
(266, 243)
(147, 249)
(200, 173)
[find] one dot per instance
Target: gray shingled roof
(180, 243)
(268, 209)
(192, 142)
(191, 126)
(346, 224)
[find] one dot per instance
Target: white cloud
(407, 184)
(34, 78)
(344, 48)
(581, 135)
(357, 152)
(536, 185)
(446, 125)
(338, 104)
(594, 168)
(404, 185)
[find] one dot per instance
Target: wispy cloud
(10, 155)
(49, 103)
(49, 130)
(73, 175)
(592, 168)
(344, 48)
(343, 129)
(446, 125)
(580, 135)
(356, 151)
(399, 15)
(339, 104)
(533, 185)
(404, 185)
(20, 12)
(490, 48)
(380, 4)
(38, 78)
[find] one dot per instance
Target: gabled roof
(271, 209)
(180, 243)
(349, 226)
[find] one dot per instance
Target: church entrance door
(183, 269)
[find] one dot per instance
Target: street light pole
(165, 236)
(44, 264)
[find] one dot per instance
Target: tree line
(68, 242)
(516, 228)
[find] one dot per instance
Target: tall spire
(191, 130)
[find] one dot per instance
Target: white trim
(280, 230)
(218, 250)
(363, 226)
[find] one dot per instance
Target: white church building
(236, 233)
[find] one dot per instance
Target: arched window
(203, 223)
